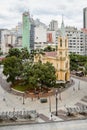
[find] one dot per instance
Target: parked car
(80, 73)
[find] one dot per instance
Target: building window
(60, 42)
(60, 53)
(65, 42)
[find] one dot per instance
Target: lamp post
(56, 94)
(23, 99)
(79, 85)
(60, 94)
(49, 104)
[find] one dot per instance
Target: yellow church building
(59, 59)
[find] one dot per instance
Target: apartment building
(76, 40)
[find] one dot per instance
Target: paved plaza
(76, 95)
(71, 125)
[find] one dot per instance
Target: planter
(43, 100)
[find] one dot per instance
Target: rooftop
(52, 53)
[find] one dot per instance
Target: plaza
(74, 96)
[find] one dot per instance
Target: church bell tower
(62, 54)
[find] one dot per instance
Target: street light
(23, 99)
(60, 94)
(49, 104)
(79, 85)
(56, 94)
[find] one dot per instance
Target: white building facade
(76, 40)
(7, 40)
(40, 37)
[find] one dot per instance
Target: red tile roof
(51, 54)
(84, 30)
(1, 58)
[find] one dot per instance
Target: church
(59, 59)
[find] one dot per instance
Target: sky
(45, 10)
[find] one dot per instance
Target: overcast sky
(45, 10)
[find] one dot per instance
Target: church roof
(51, 54)
(62, 29)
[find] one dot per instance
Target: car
(80, 73)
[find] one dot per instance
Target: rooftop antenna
(62, 18)
(62, 28)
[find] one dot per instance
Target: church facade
(59, 59)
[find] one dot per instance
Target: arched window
(60, 42)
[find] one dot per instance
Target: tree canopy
(12, 68)
(32, 74)
(22, 54)
(77, 61)
(39, 73)
(49, 48)
(14, 52)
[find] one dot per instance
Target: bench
(43, 100)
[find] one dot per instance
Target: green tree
(48, 76)
(77, 61)
(73, 62)
(27, 69)
(12, 68)
(45, 74)
(49, 48)
(39, 73)
(1, 52)
(14, 52)
(85, 69)
(24, 54)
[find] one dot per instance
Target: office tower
(32, 33)
(26, 31)
(53, 26)
(85, 18)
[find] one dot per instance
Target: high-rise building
(53, 26)
(85, 17)
(19, 29)
(7, 40)
(40, 37)
(76, 40)
(32, 34)
(26, 31)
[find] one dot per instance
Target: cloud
(46, 10)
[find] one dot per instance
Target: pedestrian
(51, 116)
(14, 109)
(4, 99)
(32, 98)
(73, 88)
